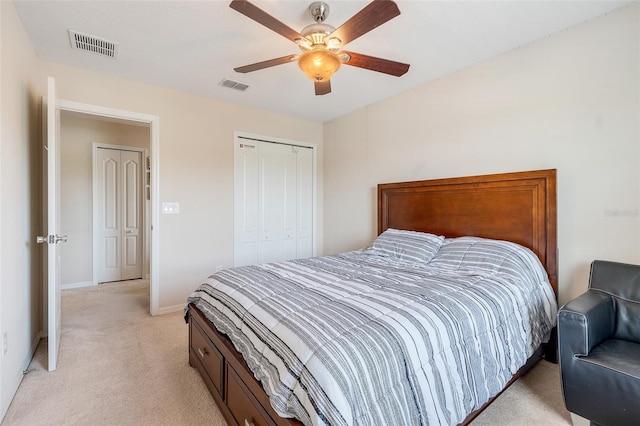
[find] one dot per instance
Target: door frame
(154, 154)
(96, 203)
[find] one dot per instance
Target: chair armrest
(584, 322)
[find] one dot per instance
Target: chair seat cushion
(604, 386)
(617, 355)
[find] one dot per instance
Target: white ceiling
(192, 45)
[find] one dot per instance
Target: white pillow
(406, 246)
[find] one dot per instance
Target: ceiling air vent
(233, 85)
(93, 44)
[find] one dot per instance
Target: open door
(51, 210)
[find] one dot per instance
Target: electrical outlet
(5, 346)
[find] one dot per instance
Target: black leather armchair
(599, 346)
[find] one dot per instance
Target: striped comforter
(363, 339)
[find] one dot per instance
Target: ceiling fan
(321, 43)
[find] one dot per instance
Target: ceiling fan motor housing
(316, 35)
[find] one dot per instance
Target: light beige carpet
(120, 366)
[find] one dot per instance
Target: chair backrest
(622, 281)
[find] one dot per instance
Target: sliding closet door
(273, 202)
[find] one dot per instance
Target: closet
(119, 214)
(273, 201)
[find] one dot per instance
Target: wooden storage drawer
(246, 410)
(210, 358)
(239, 396)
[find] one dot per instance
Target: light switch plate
(170, 208)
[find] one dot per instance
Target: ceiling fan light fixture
(319, 64)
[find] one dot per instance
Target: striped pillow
(487, 256)
(406, 246)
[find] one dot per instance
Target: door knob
(51, 239)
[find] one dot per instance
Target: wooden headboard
(518, 207)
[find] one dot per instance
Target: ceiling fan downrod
(319, 11)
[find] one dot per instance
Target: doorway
(150, 125)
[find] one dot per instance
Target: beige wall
(20, 290)
(570, 102)
(77, 135)
(196, 167)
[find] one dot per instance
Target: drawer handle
(248, 423)
(203, 352)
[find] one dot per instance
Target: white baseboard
(76, 285)
(171, 309)
(15, 381)
(7, 396)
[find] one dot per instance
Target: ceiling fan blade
(375, 64)
(260, 16)
(266, 64)
(322, 87)
(371, 16)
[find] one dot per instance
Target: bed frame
(518, 207)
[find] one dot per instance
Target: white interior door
(109, 215)
(52, 211)
(289, 202)
(273, 201)
(304, 203)
(272, 172)
(119, 215)
(245, 202)
(132, 175)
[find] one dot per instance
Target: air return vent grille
(234, 85)
(93, 44)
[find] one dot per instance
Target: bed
(486, 245)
